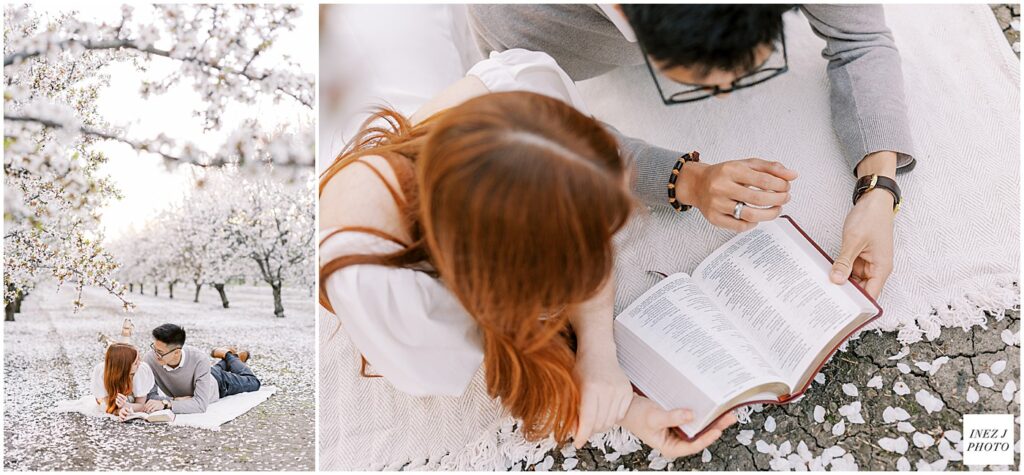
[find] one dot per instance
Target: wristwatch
(867, 183)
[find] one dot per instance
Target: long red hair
(512, 199)
(117, 372)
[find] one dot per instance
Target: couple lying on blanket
(170, 376)
(479, 230)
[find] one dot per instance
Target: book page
(779, 296)
(686, 328)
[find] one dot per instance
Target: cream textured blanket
(218, 413)
(956, 238)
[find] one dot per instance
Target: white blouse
(407, 325)
(142, 382)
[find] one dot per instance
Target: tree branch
(130, 44)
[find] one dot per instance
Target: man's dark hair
(170, 334)
(705, 37)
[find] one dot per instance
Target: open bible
(754, 323)
(161, 416)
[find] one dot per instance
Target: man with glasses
(695, 52)
(186, 378)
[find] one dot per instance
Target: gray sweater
(191, 378)
(868, 109)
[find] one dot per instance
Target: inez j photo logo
(988, 439)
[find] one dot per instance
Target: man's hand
(124, 412)
(154, 405)
(653, 425)
(867, 243)
(715, 190)
(121, 400)
(867, 250)
(605, 394)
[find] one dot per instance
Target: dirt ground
(49, 353)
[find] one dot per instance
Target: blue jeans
(233, 376)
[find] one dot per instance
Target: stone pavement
(868, 358)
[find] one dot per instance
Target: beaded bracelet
(693, 156)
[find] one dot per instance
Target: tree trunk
(142, 291)
(18, 300)
(198, 286)
(223, 296)
(170, 289)
(131, 288)
(278, 308)
(9, 312)
(156, 289)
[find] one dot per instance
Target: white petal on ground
(923, 366)
(937, 363)
(972, 394)
(894, 414)
(998, 367)
(923, 466)
(545, 464)
(903, 464)
(903, 352)
(903, 368)
(850, 389)
(819, 414)
(1009, 337)
(985, 381)
(947, 451)
(769, 424)
(785, 448)
(819, 378)
(779, 465)
(1015, 24)
(569, 464)
(923, 440)
(658, 463)
(839, 428)
(901, 388)
(765, 447)
(852, 412)
(613, 456)
(568, 451)
(706, 456)
(952, 435)
(1009, 390)
(875, 382)
(804, 452)
(928, 402)
(796, 463)
(899, 445)
(905, 427)
(745, 437)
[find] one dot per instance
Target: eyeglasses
(762, 74)
(152, 346)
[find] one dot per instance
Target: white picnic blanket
(956, 239)
(218, 413)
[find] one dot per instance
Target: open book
(161, 416)
(753, 324)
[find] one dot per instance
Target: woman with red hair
(121, 381)
(479, 230)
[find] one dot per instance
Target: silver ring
(738, 210)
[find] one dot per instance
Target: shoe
(220, 352)
(243, 355)
(127, 327)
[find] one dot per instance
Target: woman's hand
(715, 190)
(605, 394)
(121, 400)
(124, 412)
(653, 425)
(154, 405)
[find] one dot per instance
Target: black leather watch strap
(867, 183)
